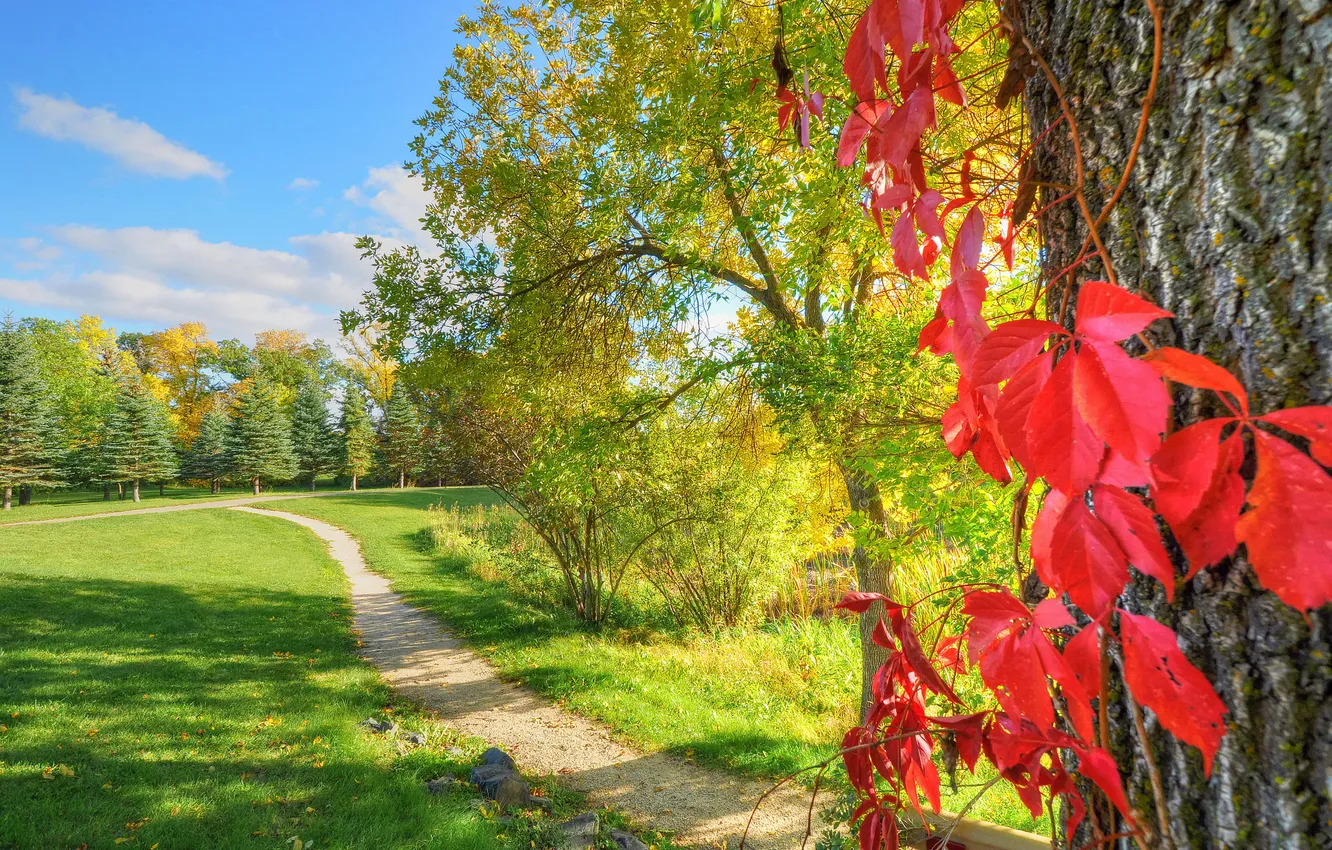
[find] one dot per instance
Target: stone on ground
(626, 841)
(581, 831)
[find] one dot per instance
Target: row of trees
(79, 406)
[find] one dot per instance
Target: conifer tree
(138, 438)
(311, 436)
(259, 439)
(402, 434)
(208, 456)
(29, 437)
(358, 438)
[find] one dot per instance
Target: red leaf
(1051, 614)
(856, 756)
(1312, 423)
(1085, 561)
(906, 250)
(1134, 529)
(946, 83)
(858, 125)
(916, 657)
(989, 457)
(1009, 347)
(1097, 765)
(1076, 700)
(1015, 403)
(929, 334)
(1119, 471)
(1042, 530)
(966, 249)
(911, 18)
(1122, 399)
(992, 613)
(881, 637)
(962, 299)
(957, 430)
(1061, 445)
(1109, 313)
(863, 62)
(1162, 679)
(1197, 371)
(860, 601)
(1288, 527)
(1082, 654)
(968, 731)
(1012, 668)
(1197, 489)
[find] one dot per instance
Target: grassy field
(190, 680)
(55, 504)
(763, 701)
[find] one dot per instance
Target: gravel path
(425, 663)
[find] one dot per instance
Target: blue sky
(167, 162)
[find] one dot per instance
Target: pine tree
(402, 437)
(208, 456)
(259, 439)
(311, 436)
(29, 436)
(358, 438)
(138, 438)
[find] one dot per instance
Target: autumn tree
(138, 445)
(642, 177)
(357, 448)
(259, 438)
(180, 357)
(402, 435)
(29, 435)
(311, 436)
(208, 457)
(291, 361)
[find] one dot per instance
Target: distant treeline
(83, 406)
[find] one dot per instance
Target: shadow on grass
(219, 717)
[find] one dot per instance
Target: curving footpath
(420, 660)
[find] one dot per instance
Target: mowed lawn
(190, 680)
(762, 702)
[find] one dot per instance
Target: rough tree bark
(872, 574)
(1227, 221)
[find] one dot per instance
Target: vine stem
(1153, 772)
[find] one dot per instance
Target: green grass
(762, 702)
(60, 503)
(191, 680)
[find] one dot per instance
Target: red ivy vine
(1077, 410)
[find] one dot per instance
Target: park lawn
(191, 680)
(60, 503)
(763, 702)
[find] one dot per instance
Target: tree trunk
(120, 491)
(106, 491)
(312, 483)
(136, 490)
(161, 489)
(873, 574)
(255, 481)
(1227, 222)
(217, 486)
(402, 479)
(9, 498)
(25, 495)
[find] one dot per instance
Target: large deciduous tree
(259, 439)
(29, 435)
(623, 162)
(1227, 222)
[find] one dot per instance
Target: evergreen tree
(311, 437)
(259, 439)
(358, 437)
(402, 435)
(29, 436)
(208, 456)
(138, 438)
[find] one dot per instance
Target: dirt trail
(423, 662)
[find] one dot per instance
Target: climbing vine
(1076, 410)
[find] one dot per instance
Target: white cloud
(399, 197)
(130, 142)
(301, 184)
(144, 276)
